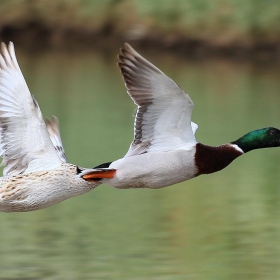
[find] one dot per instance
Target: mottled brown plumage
(36, 174)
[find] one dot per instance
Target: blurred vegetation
(215, 23)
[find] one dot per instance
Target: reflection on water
(222, 226)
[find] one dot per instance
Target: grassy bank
(214, 25)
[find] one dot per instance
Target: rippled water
(221, 226)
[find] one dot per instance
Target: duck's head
(261, 138)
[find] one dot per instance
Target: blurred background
(225, 54)
(198, 26)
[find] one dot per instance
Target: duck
(36, 173)
(164, 150)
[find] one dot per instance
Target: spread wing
(53, 130)
(163, 119)
(24, 141)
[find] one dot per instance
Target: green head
(258, 139)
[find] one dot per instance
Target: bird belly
(153, 170)
(39, 190)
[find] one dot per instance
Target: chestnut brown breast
(210, 159)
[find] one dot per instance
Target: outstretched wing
(53, 130)
(24, 140)
(163, 119)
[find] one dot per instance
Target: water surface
(221, 226)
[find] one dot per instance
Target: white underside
(153, 170)
(42, 189)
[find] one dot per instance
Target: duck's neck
(210, 159)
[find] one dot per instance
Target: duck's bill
(92, 175)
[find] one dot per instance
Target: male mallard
(36, 174)
(164, 150)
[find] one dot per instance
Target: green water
(221, 226)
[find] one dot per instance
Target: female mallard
(164, 150)
(36, 174)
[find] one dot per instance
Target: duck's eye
(272, 131)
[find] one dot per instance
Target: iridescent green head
(262, 138)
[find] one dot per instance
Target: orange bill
(99, 174)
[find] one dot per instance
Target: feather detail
(163, 118)
(53, 130)
(24, 140)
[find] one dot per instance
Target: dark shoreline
(37, 36)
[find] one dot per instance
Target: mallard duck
(36, 174)
(164, 150)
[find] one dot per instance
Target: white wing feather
(194, 127)
(53, 130)
(24, 140)
(163, 119)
